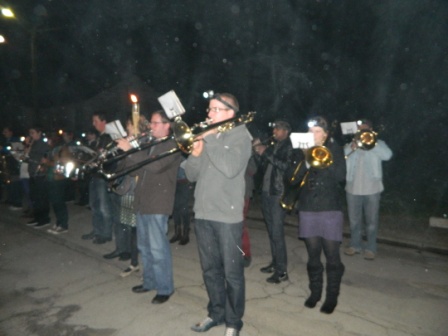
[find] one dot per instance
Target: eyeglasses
(156, 122)
(216, 109)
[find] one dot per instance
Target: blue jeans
(274, 217)
(219, 246)
(155, 253)
(369, 206)
(102, 210)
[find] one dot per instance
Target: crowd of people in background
(135, 209)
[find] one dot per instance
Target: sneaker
(369, 255)
(351, 251)
(57, 230)
(231, 332)
(129, 270)
(205, 325)
(41, 225)
(276, 278)
(32, 222)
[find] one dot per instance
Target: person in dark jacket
(153, 204)
(36, 169)
(321, 218)
(275, 159)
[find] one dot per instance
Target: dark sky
(383, 60)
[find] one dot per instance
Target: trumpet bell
(365, 139)
(319, 157)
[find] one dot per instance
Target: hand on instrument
(123, 144)
(198, 147)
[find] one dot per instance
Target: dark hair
(37, 128)
(319, 122)
(162, 115)
(102, 115)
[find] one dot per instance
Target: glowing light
(134, 98)
(7, 13)
(208, 94)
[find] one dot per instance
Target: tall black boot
(177, 234)
(315, 276)
(185, 237)
(334, 277)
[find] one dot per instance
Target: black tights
(314, 247)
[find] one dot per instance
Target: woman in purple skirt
(320, 215)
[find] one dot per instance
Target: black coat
(323, 189)
(280, 156)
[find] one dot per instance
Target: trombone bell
(319, 157)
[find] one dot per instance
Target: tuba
(319, 157)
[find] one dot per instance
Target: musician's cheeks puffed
(123, 144)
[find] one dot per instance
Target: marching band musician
(101, 201)
(276, 160)
(363, 191)
(218, 164)
(321, 218)
(153, 203)
(38, 190)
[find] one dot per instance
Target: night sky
(382, 60)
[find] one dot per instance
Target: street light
(7, 12)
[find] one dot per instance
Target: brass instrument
(266, 142)
(184, 137)
(318, 157)
(364, 139)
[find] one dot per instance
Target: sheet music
(349, 127)
(302, 140)
(171, 104)
(115, 130)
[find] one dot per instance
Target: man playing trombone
(218, 164)
(153, 203)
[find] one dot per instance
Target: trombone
(364, 139)
(318, 157)
(184, 137)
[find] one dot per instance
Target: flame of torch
(135, 114)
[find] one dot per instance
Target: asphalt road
(61, 285)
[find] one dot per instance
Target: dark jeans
(39, 196)
(15, 192)
(134, 248)
(181, 211)
(56, 193)
(219, 246)
(103, 213)
(274, 217)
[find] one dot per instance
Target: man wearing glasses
(153, 204)
(217, 164)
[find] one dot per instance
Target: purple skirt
(325, 224)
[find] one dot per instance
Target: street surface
(61, 285)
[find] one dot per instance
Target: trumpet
(318, 157)
(184, 136)
(364, 139)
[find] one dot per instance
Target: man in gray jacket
(217, 165)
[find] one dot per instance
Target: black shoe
(88, 236)
(158, 299)
(124, 256)
(247, 261)
(32, 222)
(139, 289)
(112, 255)
(276, 278)
(41, 225)
(100, 240)
(268, 269)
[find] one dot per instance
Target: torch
(135, 114)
